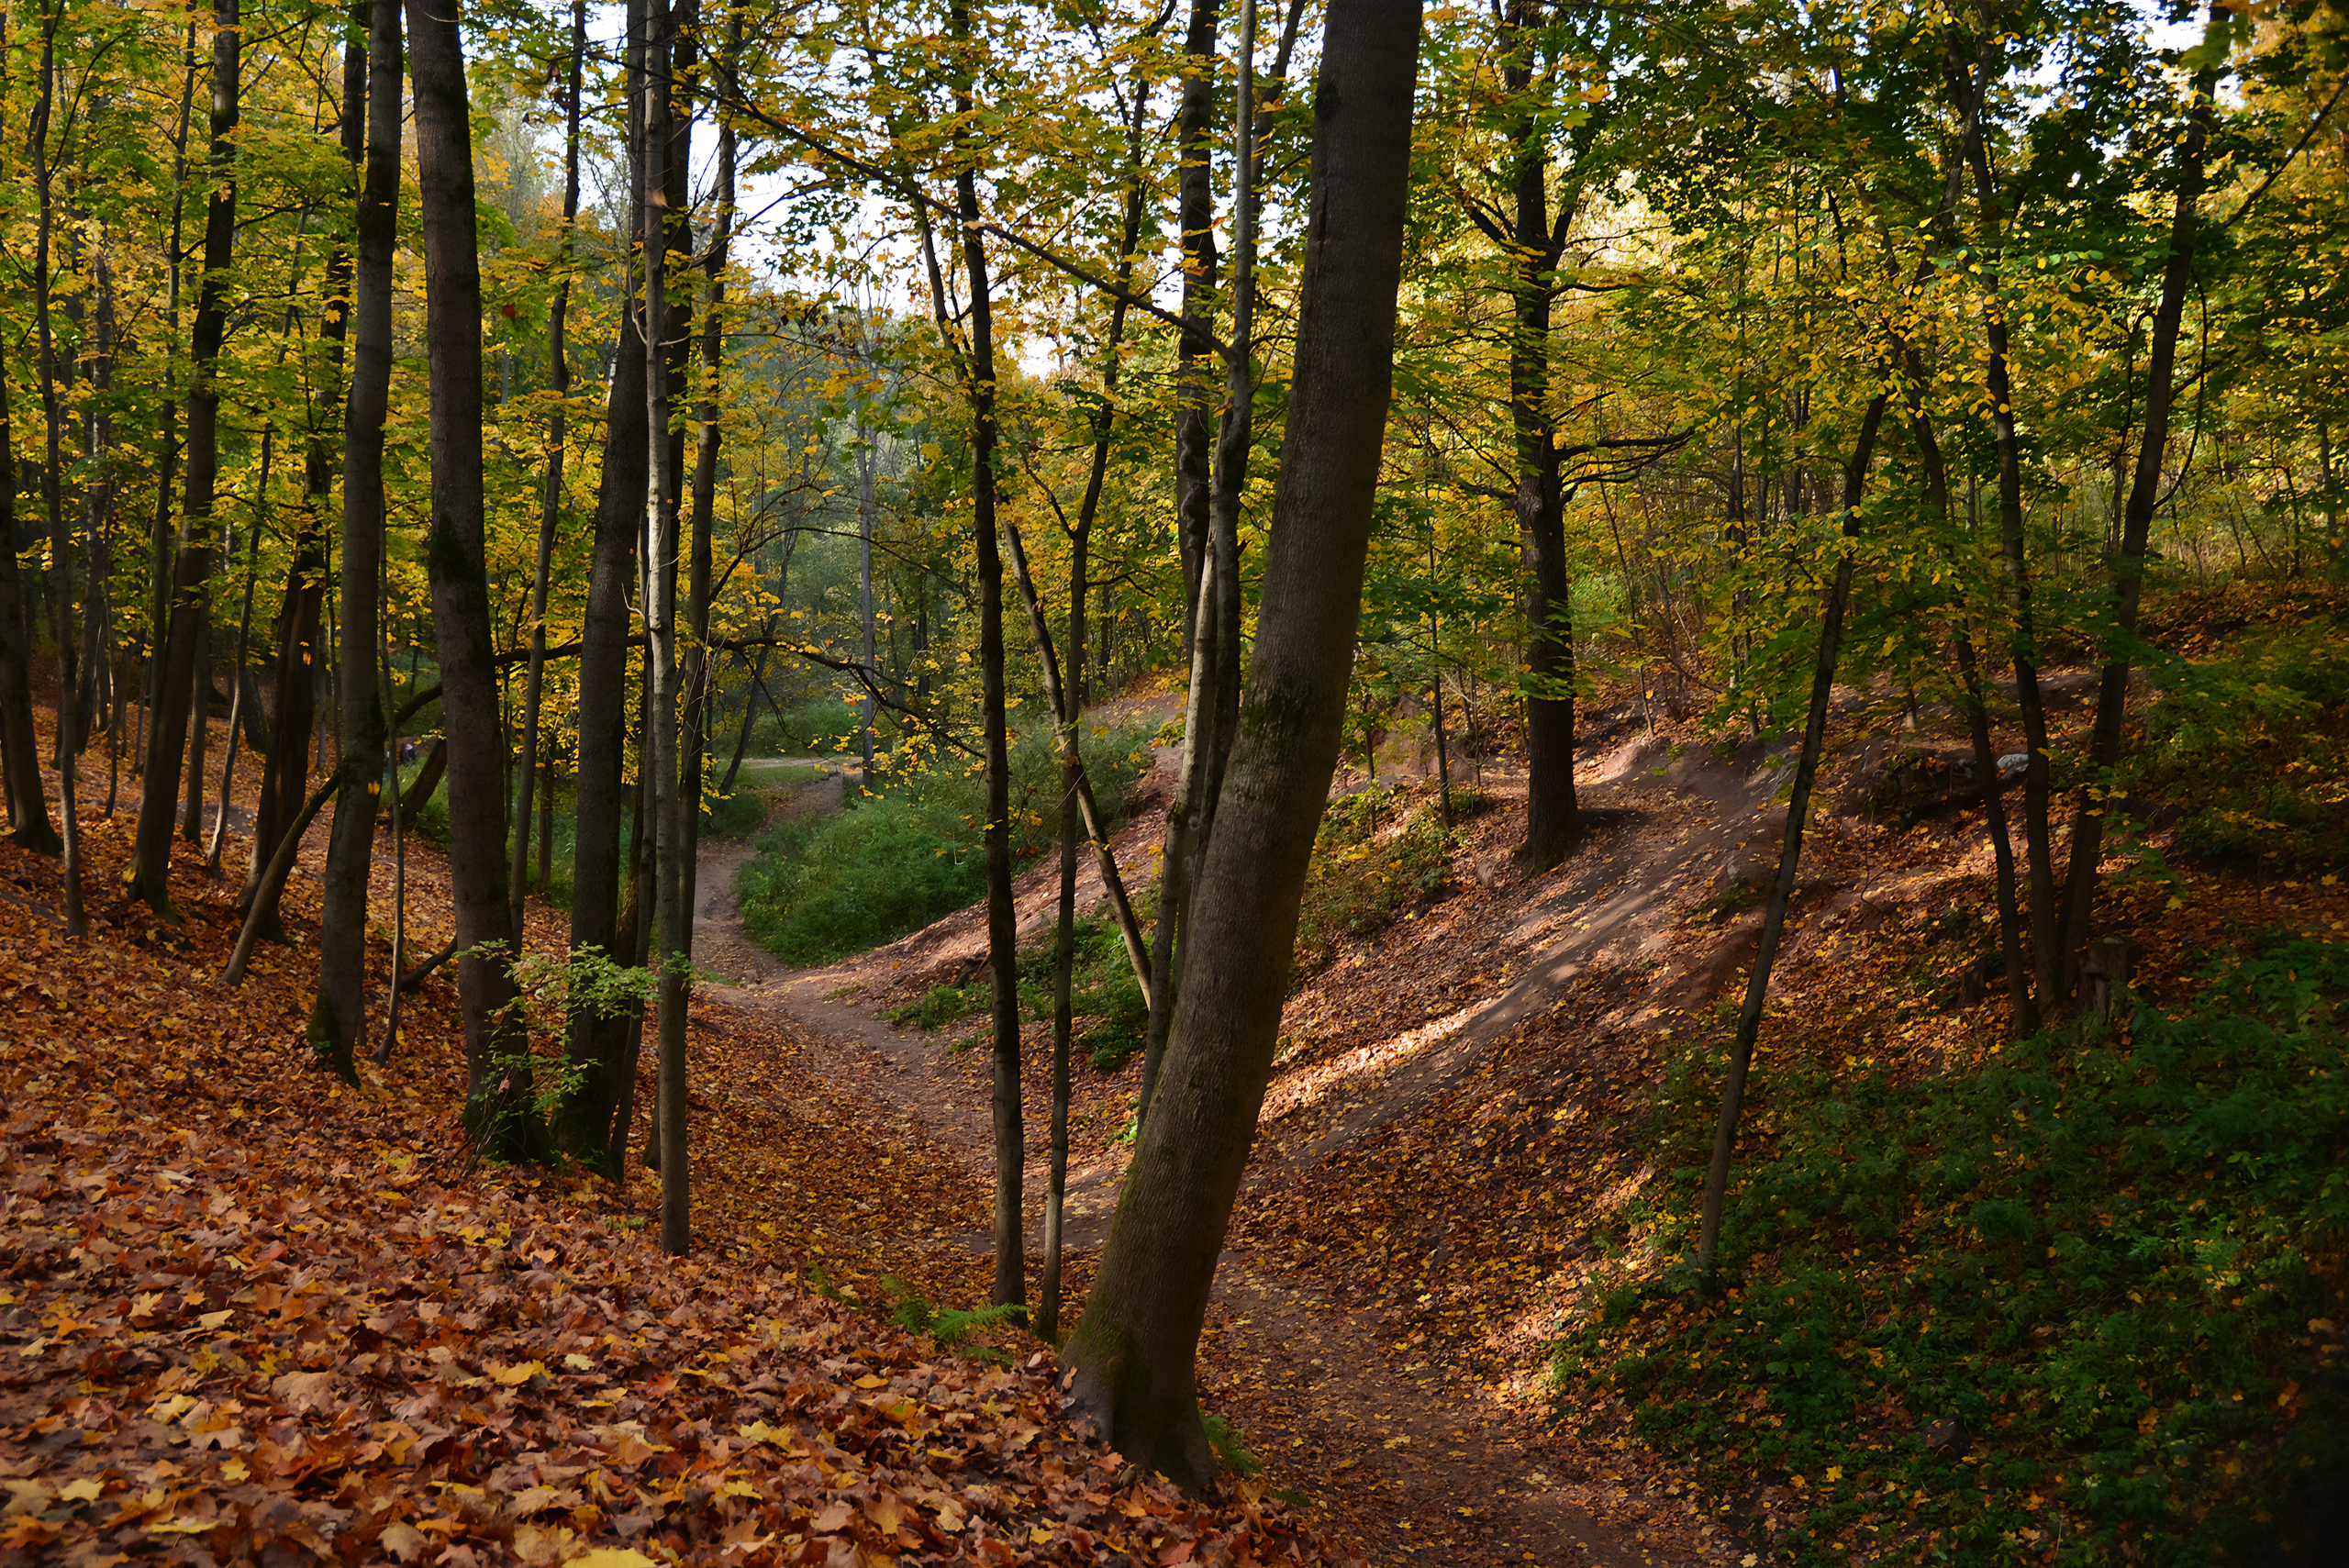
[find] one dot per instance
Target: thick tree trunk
(339, 1016)
(1552, 816)
(497, 1110)
(2129, 571)
(182, 643)
(1133, 1359)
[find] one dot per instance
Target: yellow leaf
(512, 1376)
(613, 1557)
(872, 1383)
(183, 1526)
(86, 1490)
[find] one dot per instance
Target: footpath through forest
(1417, 1450)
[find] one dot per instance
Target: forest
(1205, 481)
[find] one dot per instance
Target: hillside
(249, 1315)
(1454, 1295)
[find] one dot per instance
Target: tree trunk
(498, 1095)
(61, 536)
(1774, 913)
(2129, 571)
(2046, 920)
(19, 750)
(1195, 214)
(187, 626)
(660, 625)
(550, 503)
(1132, 1359)
(372, 105)
(700, 693)
(1553, 816)
(1011, 1145)
(236, 667)
(593, 1127)
(421, 790)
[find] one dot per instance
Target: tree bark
(182, 638)
(1132, 1359)
(660, 625)
(498, 1095)
(1782, 888)
(28, 817)
(61, 536)
(2046, 938)
(1552, 816)
(591, 1127)
(550, 503)
(339, 1016)
(2136, 521)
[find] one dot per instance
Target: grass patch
(893, 862)
(2118, 1265)
(1368, 873)
(1111, 1017)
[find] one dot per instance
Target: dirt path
(1417, 1466)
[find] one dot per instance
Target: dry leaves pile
(252, 1315)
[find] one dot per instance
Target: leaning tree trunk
(497, 1108)
(1782, 889)
(1132, 1359)
(339, 1016)
(2136, 520)
(182, 638)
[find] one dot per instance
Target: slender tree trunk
(497, 1094)
(2046, 920)
(594, 1124)
(699, 673)
(866, 461)
(199, 737)
(2136, 522)
(1010, 1146)
(1782, 888)
(750, 713)
(371, 117)
(236, 666)
(660, 625)
(187, 626)
(20, 780)
(1194, 212)
(551, 503)
(1132, 1359)
(19, 750)
(61, 536)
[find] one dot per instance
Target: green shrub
(1361, 880)
(2255, 745)
(2114, 1264)
(893, 862)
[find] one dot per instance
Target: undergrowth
(1104, 995)
(893, 862)
(2117, 1265)
(1368, 872)
(2253, 745)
